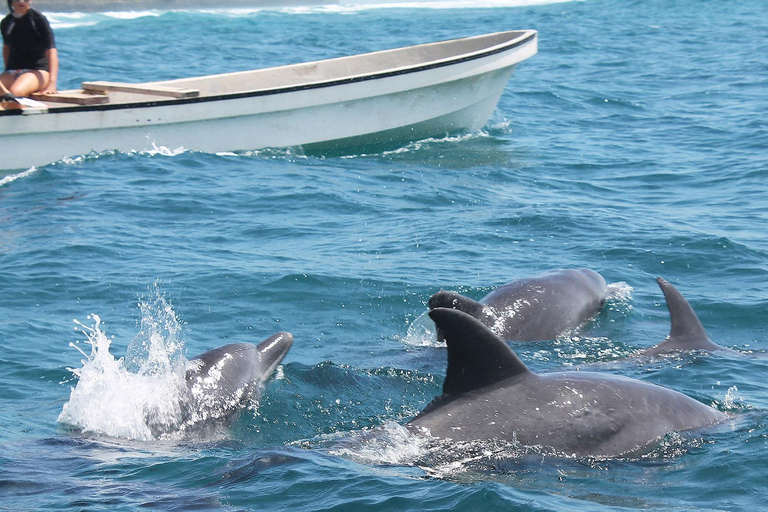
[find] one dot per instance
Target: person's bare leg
(29, 82)
(7, 100)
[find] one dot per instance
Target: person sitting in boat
(29, 52)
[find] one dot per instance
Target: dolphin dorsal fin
(686, 331)
(476, 356)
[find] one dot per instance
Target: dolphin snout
(272, 351)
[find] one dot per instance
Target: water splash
(158, 347)
(619, 292)
(732, 399)
(140, 397)
(161, 150)
(422, 333)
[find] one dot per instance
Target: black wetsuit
(28, 37)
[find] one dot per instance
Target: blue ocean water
(634, 143)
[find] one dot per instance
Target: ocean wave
(13, 177)
(64, 20)
(364, 5)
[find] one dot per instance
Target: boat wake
(290, 153)
(427, 143)
(449, 142)
(417, 146)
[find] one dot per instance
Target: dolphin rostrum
(536, 308)
(489, 394)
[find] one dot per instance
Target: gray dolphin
(221, 380)
(686, 332)
(535, 308)
(489, 393)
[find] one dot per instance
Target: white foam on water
(138, 397)
(365, 5)
(398, 445)
(131, 15)
(61, 20)
(13, 177)
(160, 150)
(391, 443)
(95, 155)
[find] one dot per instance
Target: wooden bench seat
(78, 98)
(157, 90)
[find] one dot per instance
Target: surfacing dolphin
(535, 308)
(489, 394)
(221, 380)
(686, 332)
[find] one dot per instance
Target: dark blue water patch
(110, 484)
(341, 398)
(345, 485)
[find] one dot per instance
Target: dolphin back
(544, 306)
(453, 300)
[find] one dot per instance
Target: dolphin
(535, 308)
(489, 394)
(686, 332)
(221, 380)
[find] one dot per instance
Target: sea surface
(635, 143)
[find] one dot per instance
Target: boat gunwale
(526, 36)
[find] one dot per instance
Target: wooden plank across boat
(388, 96)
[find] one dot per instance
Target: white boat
(388, 96)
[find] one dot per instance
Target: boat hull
(387, 109)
